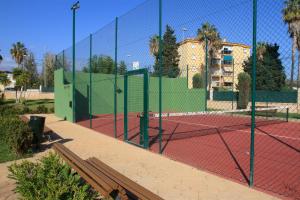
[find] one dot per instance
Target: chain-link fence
(213, 85)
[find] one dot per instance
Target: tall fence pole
(160, 76)
(63, 59)
(90, 66)
(206, 72)
(187, 76)
(73, 68)
(253, 98)
(116, 72)
(232, 100)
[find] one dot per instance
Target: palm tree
(154, 46)
(211, 33)
(1, 58)
(291, 16)
(18, 52)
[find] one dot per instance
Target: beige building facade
(223, 68)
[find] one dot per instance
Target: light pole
(74, 8)
(183, 33)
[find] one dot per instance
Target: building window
(227, 62)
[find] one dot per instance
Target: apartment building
(10, 78)
(224, 67)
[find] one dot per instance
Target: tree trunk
(293, 60)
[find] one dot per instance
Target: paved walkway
(168, 178)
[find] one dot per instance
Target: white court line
(211, 126)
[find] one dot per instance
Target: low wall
(30, 95)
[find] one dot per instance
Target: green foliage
(243, 86)
(270, 73)
(21, 76)
(210, 32)
(41, 109)
(49, 179)
(122, 69)
(4, 79)
(101, 64)
(198, 81)
(30, 67)
(49, 67)
(18, 52)
(170, 55)
(17, 134)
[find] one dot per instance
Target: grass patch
(6, 155)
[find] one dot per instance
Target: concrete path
(167, 178)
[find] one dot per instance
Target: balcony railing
(226, 52)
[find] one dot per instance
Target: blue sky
(46, 25)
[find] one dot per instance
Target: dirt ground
(165, 177)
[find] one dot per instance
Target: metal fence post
(251, 177)
(90, 71)
(160, 76)
(206, 72)
(116, 71)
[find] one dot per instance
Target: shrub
(41, 109)
(243, 86)
(52, 110)
(17, 134)
(49, 179)
(198, 81)
(6, 110)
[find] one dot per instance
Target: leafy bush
(243, 86)
(17, 134)
(41, 109)
(6, 110)
(52, 110)
(49, 179)
(198, 81)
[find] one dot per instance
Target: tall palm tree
(154, 46)
(1, 58)
(211, 33)
(18, 52)
(291, 16)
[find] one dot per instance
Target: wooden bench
(103, 178)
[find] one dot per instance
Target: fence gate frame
(144, 116)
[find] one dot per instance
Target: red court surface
(221, 145)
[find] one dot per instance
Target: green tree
(22, 78)
(291, 16)
(18, 52)
(154, 51)
(198, 81)
(170, 54)
(270, 73)
(243, 87)
(1, 58)
(211, 33)
(122, 69)
(48, 70)
(4, 80)
(101, 64)
(30, 67)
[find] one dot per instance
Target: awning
(227, 58)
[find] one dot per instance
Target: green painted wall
(176, 96)
(63, 96)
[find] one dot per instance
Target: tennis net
(181, 125)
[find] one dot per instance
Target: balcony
(226, 52)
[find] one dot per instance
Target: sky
(46, 25)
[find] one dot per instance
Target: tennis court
(219, 142)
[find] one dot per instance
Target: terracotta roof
(193, 40)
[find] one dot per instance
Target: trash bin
(37, 124)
